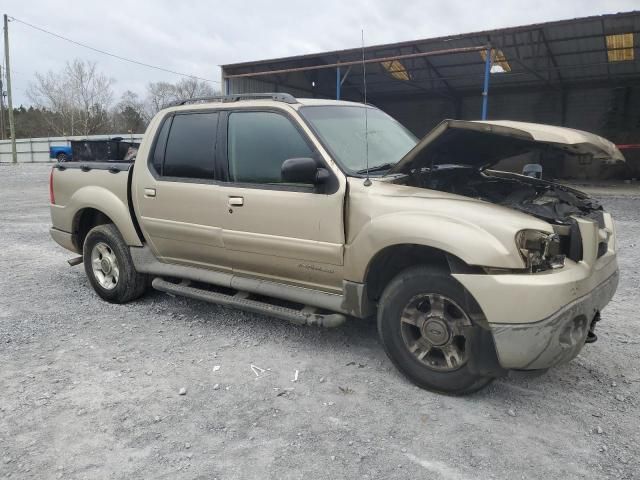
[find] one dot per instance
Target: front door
(290, 233)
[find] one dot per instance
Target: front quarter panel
(384, 215)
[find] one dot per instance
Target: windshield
(342, 131)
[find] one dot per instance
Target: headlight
(540, 251)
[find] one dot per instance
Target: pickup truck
(315, 211)
(61, 153)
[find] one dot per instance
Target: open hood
(481, 144)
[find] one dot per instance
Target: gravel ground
(91, 390)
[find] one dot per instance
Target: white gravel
(89, 389)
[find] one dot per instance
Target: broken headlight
(540, 251)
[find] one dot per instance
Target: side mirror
(303, 170)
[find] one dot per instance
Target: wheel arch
(94, 205)
(393, 259)
(84, 220)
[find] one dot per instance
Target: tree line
(80, 100)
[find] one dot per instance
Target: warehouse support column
(485, 90)
(338, 83)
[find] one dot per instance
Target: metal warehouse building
(582, 73)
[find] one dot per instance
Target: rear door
(181, 209)
(291, 233)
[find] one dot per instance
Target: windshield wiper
(377, 168)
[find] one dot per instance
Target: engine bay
(548, 201)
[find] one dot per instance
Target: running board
(243, 301)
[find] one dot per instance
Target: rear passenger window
(191, 146)
(161, 144)
(258, 144)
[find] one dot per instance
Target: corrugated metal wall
(252, 85)
(606, 111)
(613, 113)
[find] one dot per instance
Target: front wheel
(424, 320)
(109, 267)
(62, 157)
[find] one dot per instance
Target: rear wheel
(424, 321)
(62, 157)
(108, 265)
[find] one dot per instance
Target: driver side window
(258, 144)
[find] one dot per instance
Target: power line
(109, 53)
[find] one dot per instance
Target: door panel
(295, 237)
(183, 223)
(287, 233)
(180, 205)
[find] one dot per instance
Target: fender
(457, 236)
(104, 201)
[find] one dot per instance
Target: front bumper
(556, 339)
(540, 320)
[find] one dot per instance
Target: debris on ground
(182, 391)
(257, 370)
(286, 392)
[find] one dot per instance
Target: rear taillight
(52, 197)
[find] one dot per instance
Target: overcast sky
(195, 37)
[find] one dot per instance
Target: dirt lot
(90, 390)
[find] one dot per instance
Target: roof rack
(278, 97)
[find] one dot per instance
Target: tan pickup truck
(292, 208)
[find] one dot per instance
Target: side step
(242, 301)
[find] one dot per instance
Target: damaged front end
(556, 204)
(456, 157)
(545, 317)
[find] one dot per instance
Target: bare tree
(79, 97)
(49, 93)
(130, 115)
(161, 94)
(193, 88)
(91, 95)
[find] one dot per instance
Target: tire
(108, 265)
(62, 157)
(428, 311)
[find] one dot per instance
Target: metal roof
(547, 55)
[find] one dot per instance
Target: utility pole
(2, 128)
(12, 125)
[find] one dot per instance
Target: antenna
(367, 181)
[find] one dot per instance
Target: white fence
(37, 149)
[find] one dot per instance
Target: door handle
(150, 192)
(236, 201)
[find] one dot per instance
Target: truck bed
(81, 189)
